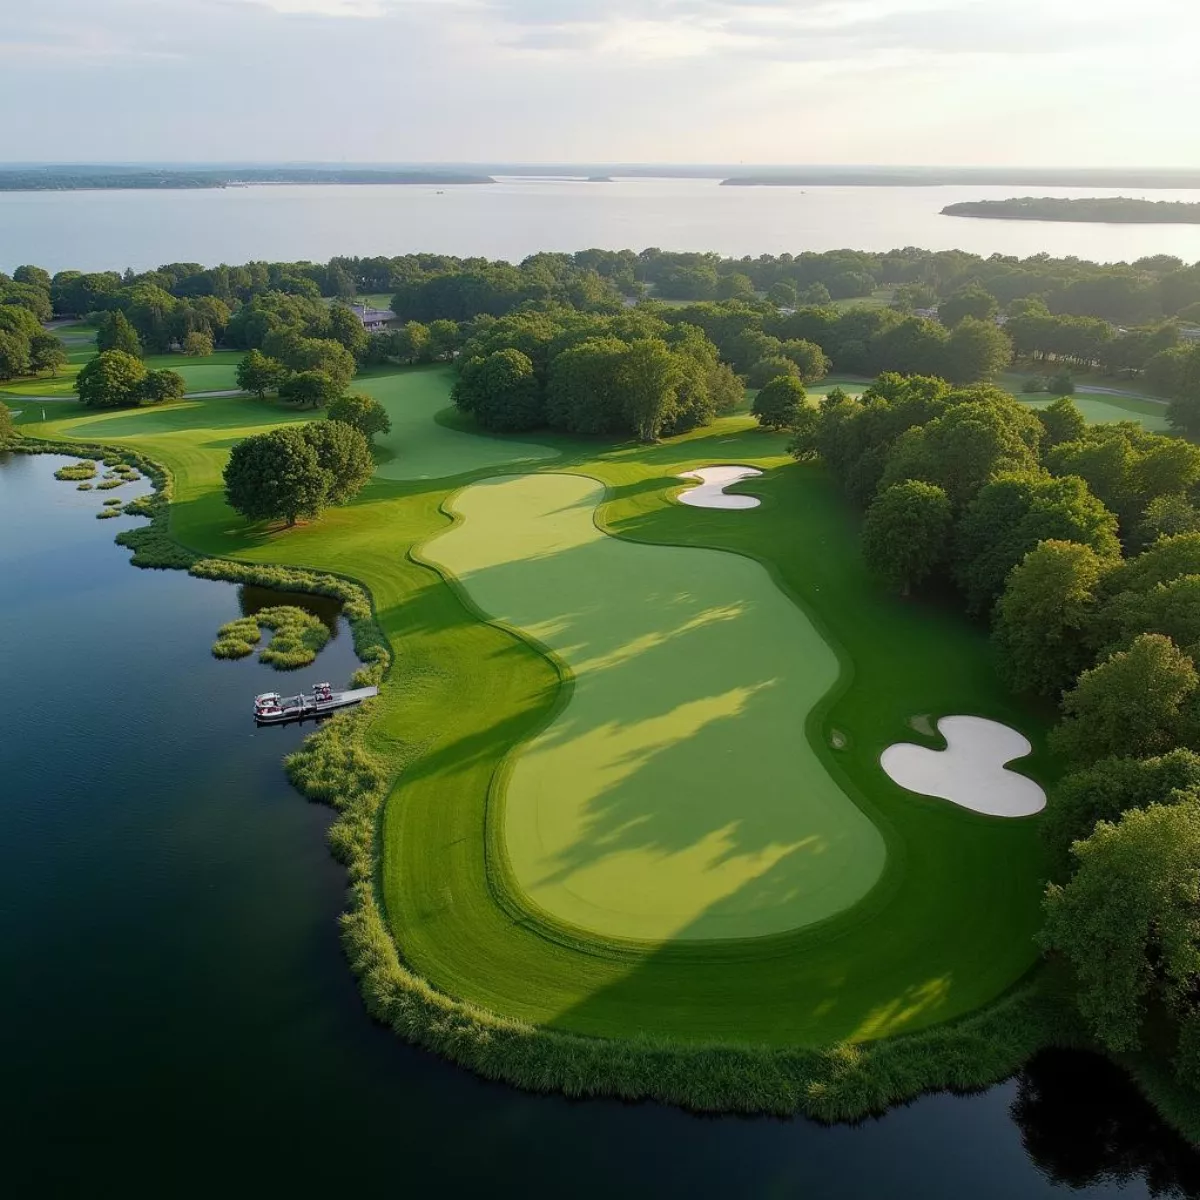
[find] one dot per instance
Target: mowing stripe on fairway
(679, 773)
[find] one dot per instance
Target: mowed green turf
(214, 373)
(1104, 410)
(950, 925)
(417, 446)
(678, 775)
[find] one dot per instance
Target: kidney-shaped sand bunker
(971, 770)
(711, 492)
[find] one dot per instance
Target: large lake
(177, 1015)
(513, 218)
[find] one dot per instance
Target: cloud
(447, 80)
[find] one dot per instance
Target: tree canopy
(906, 533)
(113, 379)
(364, 413)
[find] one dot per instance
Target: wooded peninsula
(1114, 210)
(74, 179)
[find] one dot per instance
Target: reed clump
(83, 487)
(297, 637)
(237, 639)
(84, 469)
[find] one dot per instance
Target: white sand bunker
(713, 482)
(970, 771)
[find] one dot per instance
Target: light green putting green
(418, 447)
(679, 772)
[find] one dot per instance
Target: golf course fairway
(418, 447)
(678, 773)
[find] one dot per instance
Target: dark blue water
(175, 1013)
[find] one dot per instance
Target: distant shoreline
(965, 177)
(1107, 210)
(60, 180)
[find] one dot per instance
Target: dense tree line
(628, 373)
(1081, 545)
(1105, 209)
(754, 337)
(25, 347)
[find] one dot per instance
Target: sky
(970, 82)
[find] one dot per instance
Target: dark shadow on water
(1084, 1123)
(252, 599)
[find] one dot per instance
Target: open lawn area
(213, 373)
(666, 743)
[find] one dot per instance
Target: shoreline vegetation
(73, 179)
(840, 1082)
(297, 637)
(1112, 210)
(962, 176)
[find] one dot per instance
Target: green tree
(276, 476)
(1126, 921)
(198, 344)
(809, 358)
(364, 413)
(1011, 515)
(346, 328)
(7, 429)
(34, 276)
(1166, 516)
(15, 357)
(46, 353)
(773, 366)
(1045, 617)
(779, 403)
(735, 287)
(114, 332)
(344, 456)
(309, 389)
(113, 379)
(782, 294)
(1062, 421)
(1061, 384)
(583, 387)
(976, 350)
(411, 342)
(966, 447)
(649, 375)
(1171, 608)
(259, 374)
(161, 386)
(1134, 704)
(969, 301)
(906, 533)
(323, 356)
(445, 338)
(501, 390)
(1104, 792)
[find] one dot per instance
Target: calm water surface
(177, 1016)
(513, 218)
